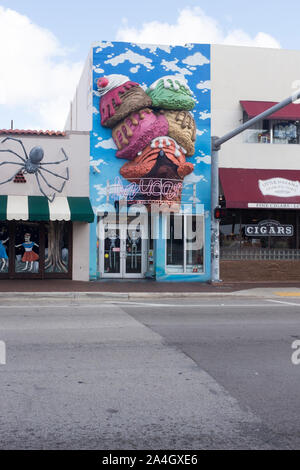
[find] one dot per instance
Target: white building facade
(260, 168)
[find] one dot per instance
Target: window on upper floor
(274, 132)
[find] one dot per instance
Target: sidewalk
(139, 287)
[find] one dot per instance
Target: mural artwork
(29, 255)
(151, 142)
(3, 254)
(32, 164)
(154, 130)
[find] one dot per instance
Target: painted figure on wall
(153, 129)
(3, 254)
(29, 255)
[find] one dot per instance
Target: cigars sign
(269, 228)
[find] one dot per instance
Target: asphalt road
(200, 374)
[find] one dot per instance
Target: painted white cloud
(98, 69)
(135, 69)
(205, 159)
(153, 47)
(204, 85)
(132, 57)
(102, 45)
(35, 71)
(196, 59)
(204, 115)
(95, 110)
(98, 162)
(193, 25)
(106, 144)
(172, 65)
(199, 133)
(193, 178)
(101, 191)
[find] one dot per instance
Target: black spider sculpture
(32, 164)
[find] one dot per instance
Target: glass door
(122, 251)
(110, 250)
(135, 251)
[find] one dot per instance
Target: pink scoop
(136, 131)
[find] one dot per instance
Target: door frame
(123, 254)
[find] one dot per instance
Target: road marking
(145, 304)
(138, 304)
(284, 303)
(288, 294)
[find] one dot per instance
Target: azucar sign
(269, 228)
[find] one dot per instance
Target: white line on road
(145, 304)
(293, 304)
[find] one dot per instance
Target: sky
(43, 45)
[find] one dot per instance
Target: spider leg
(50, 185)
(50, 198)
(19, 141)
(11, 151)
(9, 179)
(60, 161)
(11, 163)
(58, 176)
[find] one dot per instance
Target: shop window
(273, 132)
(185, 236)
(260, 234)
(56, 247)
(4, 247)
(286, 132)
(27, 247)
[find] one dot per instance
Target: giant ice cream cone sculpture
(153, 130)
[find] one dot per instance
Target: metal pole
(215, 245)
(216, 143)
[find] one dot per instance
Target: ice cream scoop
(162, 158)
(182, 129)
(136, 131)
(171, 92)
(119, 97)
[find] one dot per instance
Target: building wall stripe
(59, 209)
(3, 207)
(81, 209)
(38, 208)
(17, 208)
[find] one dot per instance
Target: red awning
(249, 188)
(253, 108)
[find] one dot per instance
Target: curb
(114, 295)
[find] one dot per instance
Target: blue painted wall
(145, 64)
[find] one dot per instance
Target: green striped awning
(38, 208)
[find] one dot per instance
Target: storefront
(260, 229)
(164, 246)
(35, 241)
(45, 210)
(150, 162)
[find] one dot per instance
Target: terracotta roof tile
(31, 132)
